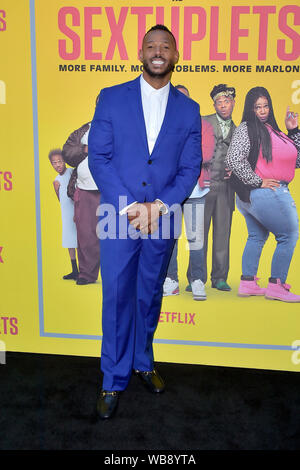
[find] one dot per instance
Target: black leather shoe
(72, 276)
(152, 380)
(107, 404)
(82, 282)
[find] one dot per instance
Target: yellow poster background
(57, 316)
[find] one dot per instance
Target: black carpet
(48, 403)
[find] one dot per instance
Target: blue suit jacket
(119, 158)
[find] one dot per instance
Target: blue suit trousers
(133, 272)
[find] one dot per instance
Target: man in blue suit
(145, 157)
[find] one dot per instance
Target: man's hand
(144, 216)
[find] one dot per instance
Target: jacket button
(149, 162)
(144, 183)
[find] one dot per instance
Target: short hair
(222, 88)
(161, 27)
(55, 152)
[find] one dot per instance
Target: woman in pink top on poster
(263, 161)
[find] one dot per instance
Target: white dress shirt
(154, 107)
(85, 180)
(154, 104)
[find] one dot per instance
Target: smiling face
(58, 164)
(262, 109)
(224, 106)
(158, 54)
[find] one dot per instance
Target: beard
(153, 74)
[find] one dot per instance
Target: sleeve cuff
(125, 209)
(163, 209)
(293, 131)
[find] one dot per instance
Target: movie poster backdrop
(55, 58)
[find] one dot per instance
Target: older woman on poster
(263, 161)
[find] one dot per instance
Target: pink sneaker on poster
(279, 291)
(250, 287)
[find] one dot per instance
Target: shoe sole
(282, 300)
(250, 295)
(172, 293)
(222, 290)
(199, 298)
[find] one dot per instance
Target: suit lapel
(229, 135)
(219, 133)
(135, 104)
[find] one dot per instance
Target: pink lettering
(188, 35)
(214, 36)
(4, 319)
(2, 20)
(1, 259)
(160, 15)
(175, 17)
(264, 12)
(62, 43)
(7, 176)
(289, 32)
(13, 326)
(90, 33)
(236, 33)
(141, 13)
(116, 33)
(189, 26)
(174, 315)
(179, 318)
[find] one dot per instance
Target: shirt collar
(222, 121)
(148, 89)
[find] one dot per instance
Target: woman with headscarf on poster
(263, 161)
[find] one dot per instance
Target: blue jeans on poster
(193, 211)
(270, 211)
